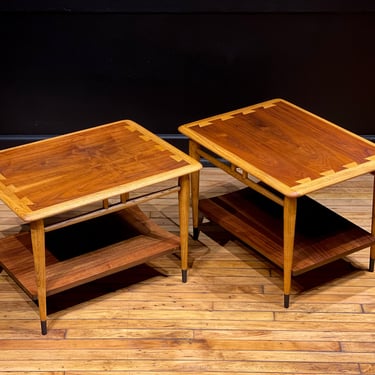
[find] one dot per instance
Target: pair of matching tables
(278, 150)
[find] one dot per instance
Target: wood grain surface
(227, 319)
(292, 150)
(44, 178)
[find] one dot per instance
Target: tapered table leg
(38, 244)
(183, 199)
(193, 147)
(290, 211)
(372, 248)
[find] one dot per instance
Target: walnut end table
(281, 153)
(46, 178)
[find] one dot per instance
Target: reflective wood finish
(291, 150)
(43, 179)
(282, 152)
(228, 318)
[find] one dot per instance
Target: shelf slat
(142, 241)
(322, 236)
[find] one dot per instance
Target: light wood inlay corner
(350, 165)
(177, 158)
(26, 201)
(145, 137)
(269, 105)
(204, 124)
(304, 180)
(329, 172)
(227, 116)
(247, 111)
(130, 126)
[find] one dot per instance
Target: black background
(65, 67)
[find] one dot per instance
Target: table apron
(111, 208)
(242, 176)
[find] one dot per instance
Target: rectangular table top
(45, 178)
(284, 146)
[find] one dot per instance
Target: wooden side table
(46, 178)
(281, 153)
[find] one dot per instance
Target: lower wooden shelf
(322, 236)
(87, 251)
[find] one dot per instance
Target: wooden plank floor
(227, 319)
